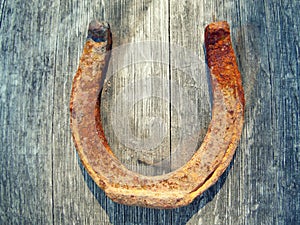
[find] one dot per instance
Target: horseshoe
(182, 186)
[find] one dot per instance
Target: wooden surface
(41, 178)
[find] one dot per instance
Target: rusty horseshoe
(182, 186)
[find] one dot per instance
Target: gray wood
(41, 178)
(136, 120)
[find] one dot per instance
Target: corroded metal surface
(182, 186)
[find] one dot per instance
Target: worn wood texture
(41, 178)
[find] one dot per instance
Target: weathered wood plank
(41, 178)
(26, 111)
(73, 201)
(135, 106)
(250, 194)
(69, 199)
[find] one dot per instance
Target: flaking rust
(182, 186)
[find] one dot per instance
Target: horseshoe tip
(218, 25)
(98, 31)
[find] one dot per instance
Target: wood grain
(42, 181)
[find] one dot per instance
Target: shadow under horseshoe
(135, 215)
